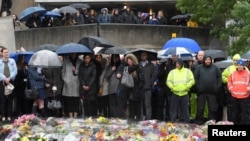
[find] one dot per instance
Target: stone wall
(129, 36)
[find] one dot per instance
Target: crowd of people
(89, 16)
(90, 85)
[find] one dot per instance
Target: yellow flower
(24, 138)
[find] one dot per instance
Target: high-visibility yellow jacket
(239, 84)
(180, 81)
(229, 70)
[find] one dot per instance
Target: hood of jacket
(204, 59)
(132, 57)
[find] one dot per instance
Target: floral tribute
(32, 128)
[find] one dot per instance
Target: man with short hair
(148, 69)
(8, 72)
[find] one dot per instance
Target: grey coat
(71, 82)
(112, 80)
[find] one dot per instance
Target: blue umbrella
(27, 55)
(52, 14)
(25, 14)
(73, 48)
(183, 42)
(176, 51)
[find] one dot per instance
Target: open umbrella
(45, 59)
(113, 50)
(67, 9)
(152, 54)
(94, 41)
(183, 42)
(50, 47)
(73, 48)
(246, 55)
(215, 53)
(52, 14)
(176, 51)
(26, 13)
(224, 64)
(80, 5)
(26, 54)
(176, 17)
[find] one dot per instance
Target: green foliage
(215, 14)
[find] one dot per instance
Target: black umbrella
(224, 64)
(246, 55)
(50, 47)
(94, 41)
(215, 53)
(73, 48)
(177, 17)
(152, 54)
(113, 50)
(80, 5)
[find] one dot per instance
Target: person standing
(88, 86)
(208, 83)
(53, 88)
(113, 83)
(193, 90)
(34, 21)
(8, 72)
(238, 101)
(37, 81)
(70, 92)
(150, 75)
(20, 83)
(180, 80)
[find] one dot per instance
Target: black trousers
(212, 106)
(135, 109)
(6, 102)
(238, 110)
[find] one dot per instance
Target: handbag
(8, 89)
(54, 104)
(31, 93)
(127, 79)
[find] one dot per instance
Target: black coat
(87, 76)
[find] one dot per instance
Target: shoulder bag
(31, 93)
(8, 89)
(54, 104)
(127, 79)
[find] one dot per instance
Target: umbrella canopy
(50, 47)
(183, 42)
(26, 13)
(176, 17)
(94, 41)
(176, 51)
(73, 48)
(113, 50)
(80, 5)
(52, 14)
(246, 55)
(214, 53)
(224, 64)
(45, 59)
(152, 54)
(186, 57)
(26, 54)
(67, 9)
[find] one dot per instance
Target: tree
(239, 28)
(215, 14)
